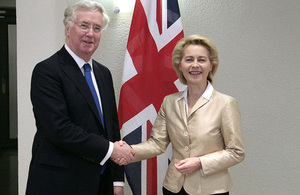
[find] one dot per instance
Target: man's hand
(118, 190)
(122, 153)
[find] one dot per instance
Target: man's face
(84, 36)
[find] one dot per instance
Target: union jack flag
(148, 76)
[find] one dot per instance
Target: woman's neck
(194, 93)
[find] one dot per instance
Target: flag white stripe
(168, 34)
(129, 70)
(149, 113)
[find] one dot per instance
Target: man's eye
(84, 26)
(97, 29)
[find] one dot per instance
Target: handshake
(122, 153)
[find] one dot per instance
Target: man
(76, 116)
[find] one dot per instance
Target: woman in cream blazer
(202, 124)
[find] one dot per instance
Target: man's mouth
(88, 42)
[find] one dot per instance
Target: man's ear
(67, 29)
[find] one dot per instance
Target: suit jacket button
(186, 148)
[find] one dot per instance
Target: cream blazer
(212, 131)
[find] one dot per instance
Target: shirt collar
(207, 93)
(80, 62)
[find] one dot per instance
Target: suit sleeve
(233, 139)
(59, 120)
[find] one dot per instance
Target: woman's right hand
(188, 165)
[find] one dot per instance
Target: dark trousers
(105, 187)
(183, 192)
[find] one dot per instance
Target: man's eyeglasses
(86, 27)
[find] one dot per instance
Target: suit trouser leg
(167, 192)
(105, 187)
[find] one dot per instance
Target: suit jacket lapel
(72, 71)
(182, 107)
(201, 102)
(105, 98)
(182, 110)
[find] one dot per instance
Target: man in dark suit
(76, 117)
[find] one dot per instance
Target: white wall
(259, 49)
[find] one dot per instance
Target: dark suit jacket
(70, 141)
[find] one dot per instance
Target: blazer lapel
(105, 98)
(182, 110)
(201, 102)
(72, 71)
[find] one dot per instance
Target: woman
(203, 125)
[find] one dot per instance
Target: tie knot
(87, 67)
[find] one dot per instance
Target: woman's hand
(188, 165)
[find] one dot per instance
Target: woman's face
(195, 65)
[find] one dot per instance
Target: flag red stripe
(159, 15)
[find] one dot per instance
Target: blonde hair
(177, 54)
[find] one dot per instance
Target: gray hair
(71, 12)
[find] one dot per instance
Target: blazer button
(186, 148)
(185, 133)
